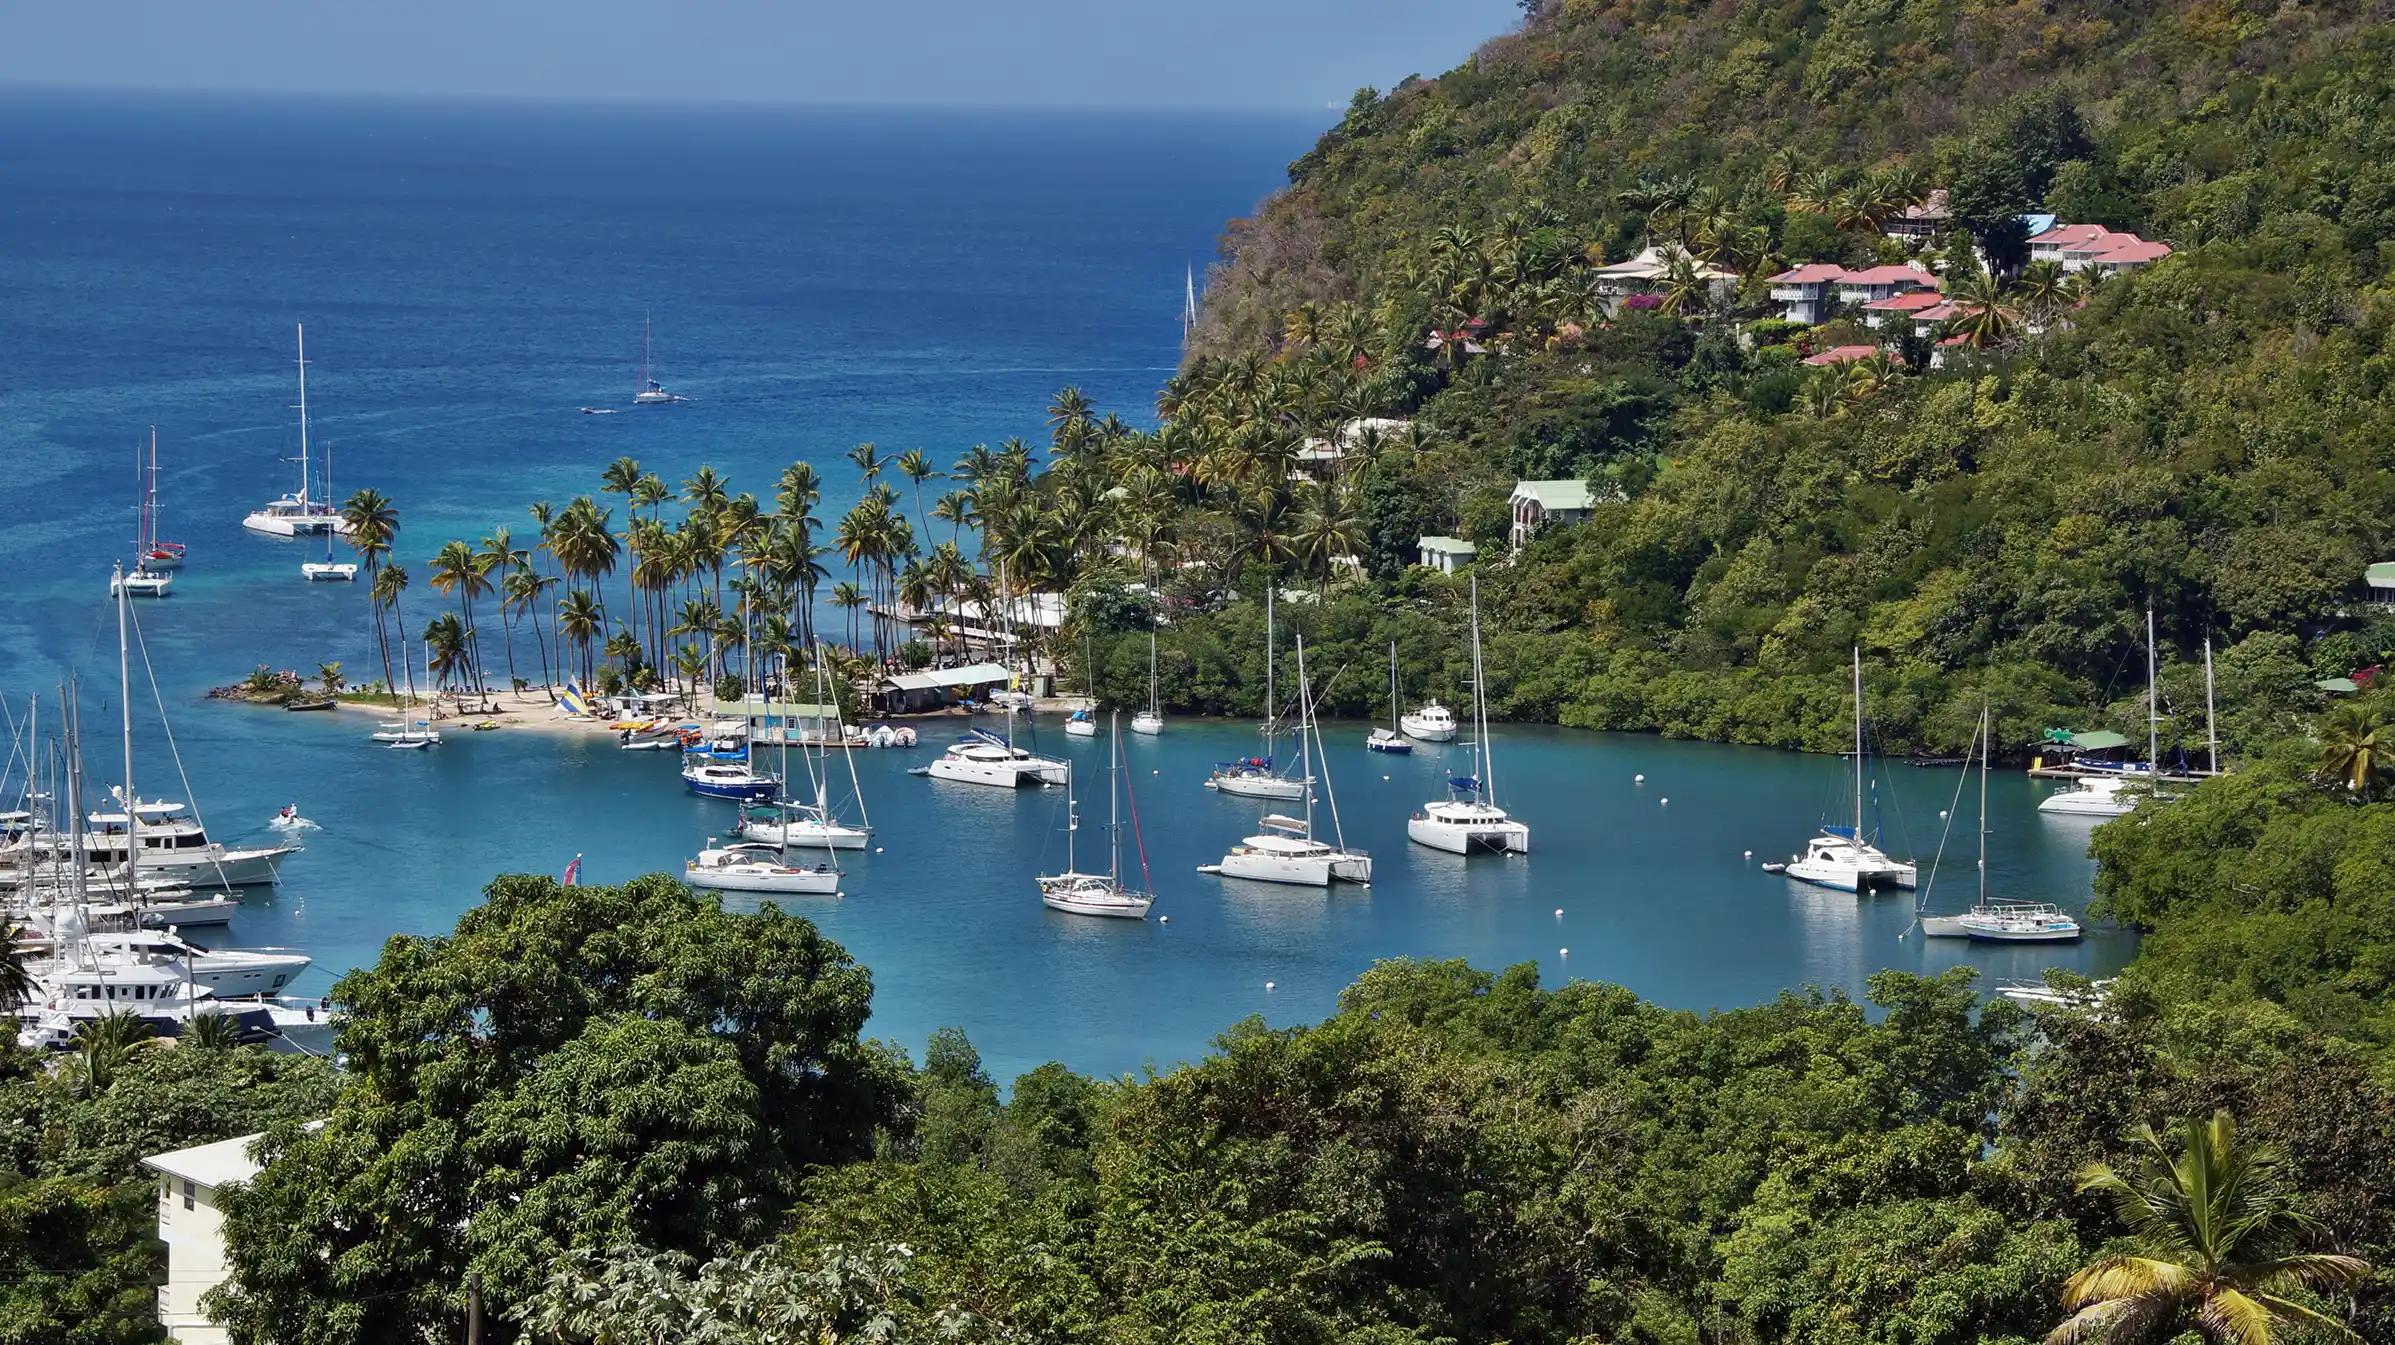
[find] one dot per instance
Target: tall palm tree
(457, 572)
(373, 526)
(2357, 747)
(2218, 1227)
(501, 556)
(956, 510)
(848, 598)
(915, 466)
(388, 585)
(2043, 289)
(1986, 316)
(445, 653)
(522, 591)
(868, 460)
(581, 619)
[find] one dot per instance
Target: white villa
(1446, 554)
(1318, 452)
(1539, 503)
(1644, 273)
(189, 1181)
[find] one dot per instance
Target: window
(191, 1193)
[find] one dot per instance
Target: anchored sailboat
(1391, 739)
(1845, 857)
(300, 513)
(1468, 820)
(651, 392)
(1150, 720)
(1286, 849)
(1999, 920)
(1100, 894)
(1254, 777)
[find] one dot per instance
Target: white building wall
(193, 1230)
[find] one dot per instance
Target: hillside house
(1539, 503)
(1806, 293)
(1445, 554)
(1644, 274)
(1872, 284)
(1923, 220)
(192, 1227)
(1897, 311)
(1841, 355)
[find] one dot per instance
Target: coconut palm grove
(614, 1114)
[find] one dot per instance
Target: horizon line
(692, 101)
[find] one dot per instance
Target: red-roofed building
(1899, 308)
(1842, 355)
(1883, 282)
(1806, 293)
(2127, 257)
(2048, 246)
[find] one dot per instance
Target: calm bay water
(471, 274)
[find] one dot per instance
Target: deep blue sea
(471, 274)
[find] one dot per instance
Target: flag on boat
(573, 872)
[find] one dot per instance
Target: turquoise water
(470, 274)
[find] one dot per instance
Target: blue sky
(1192, 53)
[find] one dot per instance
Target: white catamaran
(1286, 849)
(1468, 820)
(1997, 919)
(1844, 857)
(300, 513)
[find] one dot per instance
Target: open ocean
(472, 273)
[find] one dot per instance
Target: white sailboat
(144, 580)
(1391, 739)
(156, 554)
(756, 866)
(1845, 857)
(1468, 821)
(1285, 849)
(1100, 894)
(298, 514)
(651, 392)
(815, 824)
(328, 570)
(1150, 720)
(1083, 723)
(2103, 795)
(1254, 777)
(1999, 919)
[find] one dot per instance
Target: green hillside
(2208, 435)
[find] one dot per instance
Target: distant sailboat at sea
(651, 393)
(1189, 303)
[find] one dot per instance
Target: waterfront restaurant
(938, 688)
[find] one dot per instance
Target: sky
(1107, 53)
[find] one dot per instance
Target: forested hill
(2208, 434)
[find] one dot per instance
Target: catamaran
(1845, 857)
(328, 570)
(155, 554)
(298, 514)
(984, 758)
(651, 392)
(1391, 739)
(1254, 777)
(146, 580)
(1285, 849)
(1150, 720)
(1102, 894)
(1468, 821)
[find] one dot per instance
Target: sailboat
(1254, 777)
(1150, 720)
(1083, 723)
(1468, 820)
(759, 866)
(328, 570)
(651, 392)
(1844, 857)
(1999, 920)
(141, 581)
(1102, 894)
(2102, 795)
(155, 554)
(298, 514)
(1286, 850)
(791, 822)
(1391, 739)
(1189, 311)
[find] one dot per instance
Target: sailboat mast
(1305, 716)
(2211, 722)
(124, 707)
(303, 412)
(1114, 806)
(1858, 744)
(1987, 750)
(149, 505)
(1151, 666)
(1480, 706)
(1072, 820)
(1271, 698)
(1396, 712)
(2153, 706)
(644, 352)
(841, 726)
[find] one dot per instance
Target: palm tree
(458, 572)
(915, 466)
(2357, 747)
(956, 510)
(445, 639)
(1985, 315)
(373, 525)
(705, 491)
(214, 1030)
(17, 985)
(868, 460)
(2043, 289)
(501, 556)
(580, 619)
(104, 1044)
(2217, 1227)
(848, 598)
(388, 585)
(522, 591)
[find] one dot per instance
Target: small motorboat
(1081, 724)
(1390, 741)
(310, 706)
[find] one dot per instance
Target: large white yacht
(1430, 722)
(1468, 821)
(2091, 796)
(175, 847)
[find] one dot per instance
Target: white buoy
(1941, 814)
(1164, 920)
(1748, 855)
(877, 849)
(1667, 803)
(1563, 952)
(1559, 913)
(1638, 779)
(1384, 777)
(1268, 985)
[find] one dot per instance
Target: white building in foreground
(193, 1231)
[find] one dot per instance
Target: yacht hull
(1469, 838)
(1298, 871)
(792, 882)
(1257, 786)
(1429, 733)
(804, 836)
(1000, 774)
(1148, 724)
